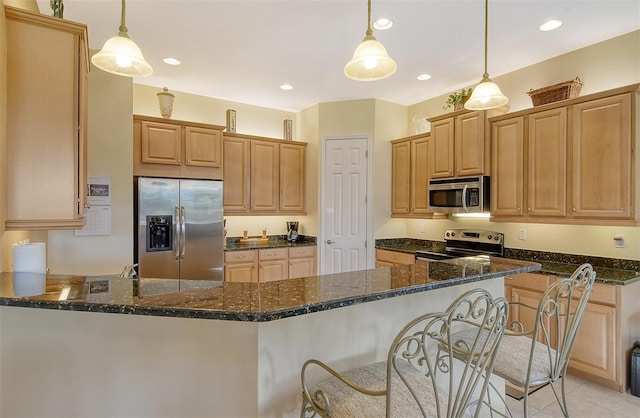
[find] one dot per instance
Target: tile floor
(585, 400)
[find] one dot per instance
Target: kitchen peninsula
(122, 347)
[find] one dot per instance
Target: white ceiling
(242, 50)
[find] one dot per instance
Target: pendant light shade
(121, 56)
(487, 94)
(370, 60)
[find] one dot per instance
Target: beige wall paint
(3, 127)
(250, 120)
(389, 124)
(24, 4)
(109, 153)
(602, 66)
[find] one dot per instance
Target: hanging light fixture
(370, 60)
(121, 56)
(487, 94)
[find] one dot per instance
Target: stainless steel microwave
(459, 195)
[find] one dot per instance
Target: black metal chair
(423, 374)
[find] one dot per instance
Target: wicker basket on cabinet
(561, 91)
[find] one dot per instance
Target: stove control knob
(453, 234)
(489, 237)
(497, 238)
(447, 234)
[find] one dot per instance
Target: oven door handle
(464, 198)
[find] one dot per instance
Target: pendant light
(370, 60)
(487, 94)
(121, 56)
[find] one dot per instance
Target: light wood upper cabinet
(420, 176)
(602, 158)
(469, 144)
(47, 62)
(457, 145)
(507, 169)
(263, 175)
(173, 148)
(567, 162)
(265, 185)
(546, 157)
(442, 146)
(401, 177)
(236, 174)
(292, 177)
(410, 177)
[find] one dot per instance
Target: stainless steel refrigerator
(179, 231)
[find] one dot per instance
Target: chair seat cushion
(347, 402)
(512, 360)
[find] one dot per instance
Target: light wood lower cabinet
(241, 266)
(46, 113)
(302, 262)
(602, 348)
(387, 258)
(273, 265)
(270, 264)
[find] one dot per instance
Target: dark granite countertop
(608, 270)
(256, 302)
(275, 241)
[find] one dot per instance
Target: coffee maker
(292, 231)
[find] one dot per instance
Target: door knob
(330, 241)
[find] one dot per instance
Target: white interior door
(345, 205)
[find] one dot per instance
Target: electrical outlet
(522, 234)
(265, 225)
(422, 228)
(620, 241)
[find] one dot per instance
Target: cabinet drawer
(531, 281)
(273, 254)
(240, 256)
(601, 293)
(395, 257)
(298, 252)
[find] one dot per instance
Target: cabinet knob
(575, 210)
(528, 209)
(518, 209)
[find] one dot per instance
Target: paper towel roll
(31, 258)
(29, 284)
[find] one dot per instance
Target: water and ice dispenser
(159, 232)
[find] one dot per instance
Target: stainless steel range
(465, 243)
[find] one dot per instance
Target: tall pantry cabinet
(47, 63)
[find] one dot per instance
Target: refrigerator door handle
(183, 234)
(176, 233)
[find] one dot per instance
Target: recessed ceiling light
(550, 25)
(423, 77)
(172, 61)
(383, 23)
(286, 87)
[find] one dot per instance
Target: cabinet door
(525, 316)
(469, 144)
(45, 114)
(595, 349)
(420, 175)
(441, 148)
(380, 263)
(202, 147)
(547, 163)
(507, 170)
(264, 177)
(241, 272)
(401, 177)
(272, 270)
(292, 178)
(236, 175)
(301, 267)
(602, 153)
(161, 143)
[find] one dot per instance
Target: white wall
(603, 66)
